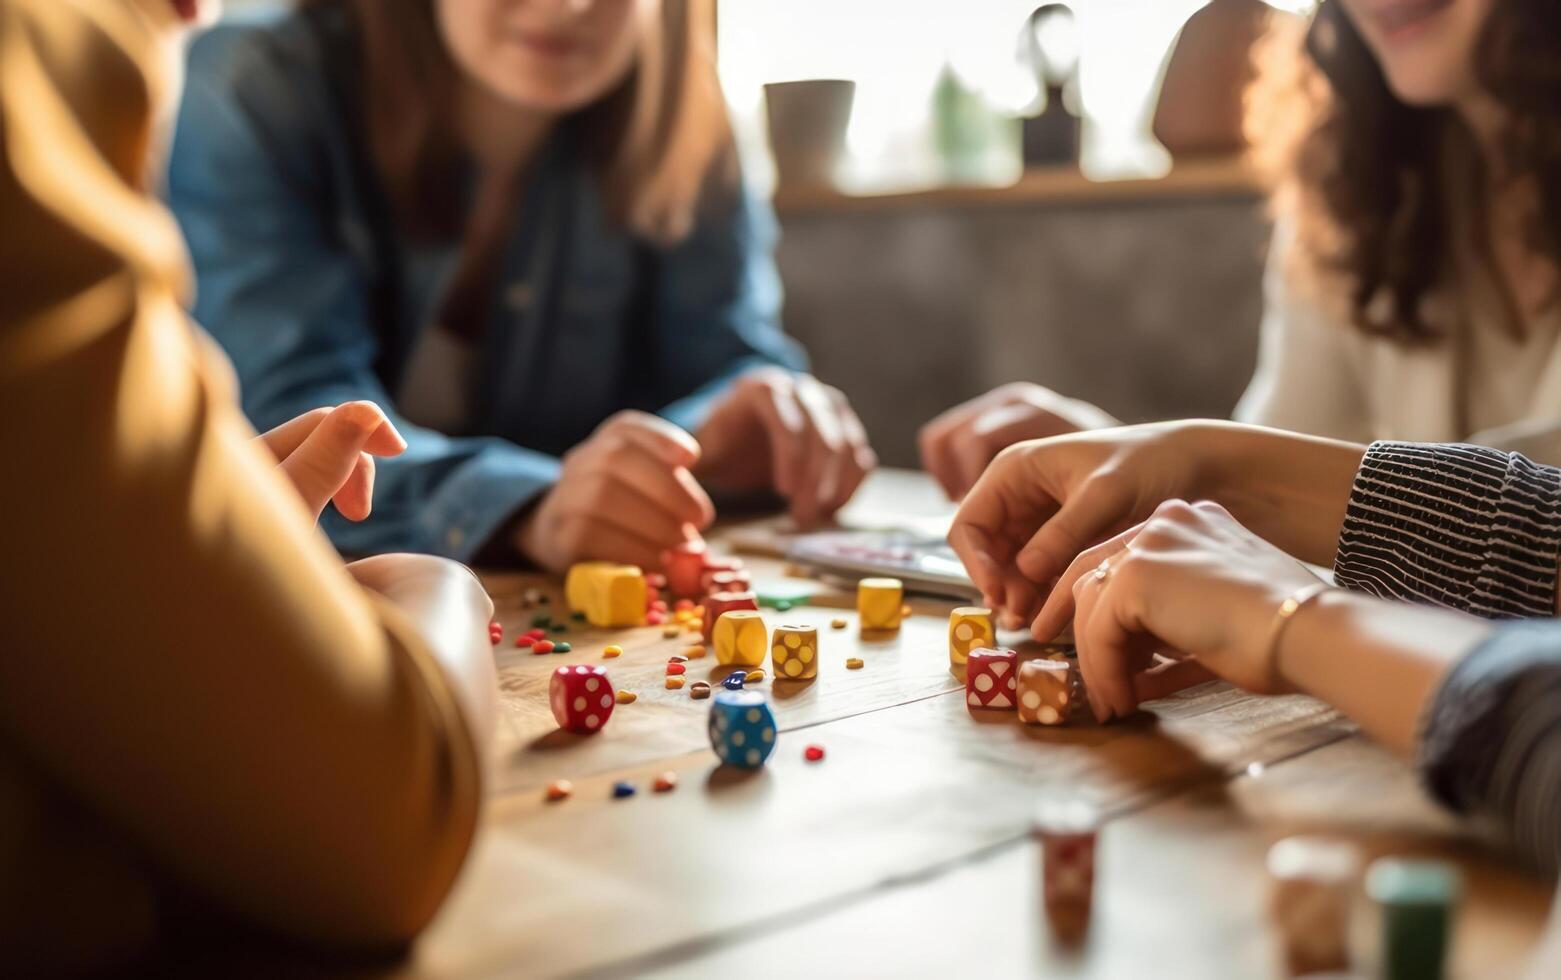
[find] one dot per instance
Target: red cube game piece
(582, 698)
(990, 679)
(683, 567)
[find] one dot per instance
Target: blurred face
(549, 55)
(1425, 47)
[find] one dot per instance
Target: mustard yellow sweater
(193, 690)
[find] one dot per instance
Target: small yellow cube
(794, 651)
(740, 638)
(611, 596)
(970, 628)
(879, 603)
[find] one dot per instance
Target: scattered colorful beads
(671, 631)
(694, 652)
(905, 611)
(813, 753)
(655, 618)
(854, 663)
(559, 789)
(542, 646)
(537, 634)
(838, 624)
(754, 676)
(622, 788)
(666, 782)
(699, 691)
(626, 697)
(734, 680)
(673, 683)
(612, 650)
(674, 669)
(684, 605)
(562, 647)
(525, 640)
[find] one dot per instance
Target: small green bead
(577, 616)
(562, 648)
(782, 605)
(542, 621)
(559, 628)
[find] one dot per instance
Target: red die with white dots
(990, 679)
(582, 698)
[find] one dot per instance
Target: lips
(1402, 16)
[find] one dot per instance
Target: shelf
(1203, 178)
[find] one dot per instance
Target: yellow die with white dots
(794, 650)
(740, 638)
(970, 628)
(880, 603)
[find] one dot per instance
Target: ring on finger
(1103, 572)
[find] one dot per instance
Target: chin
(1422, 89)
(547, 95)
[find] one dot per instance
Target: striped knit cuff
(1465, 527)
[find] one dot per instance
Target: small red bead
(683, 605)
(654, 618)
(537, 634)
(656, 580)
(525, 641)
(542, 646)
(813, 753)
(676, 669)
(660, 605)
(495, 638)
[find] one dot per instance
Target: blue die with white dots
(742, 728)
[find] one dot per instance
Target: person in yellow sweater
(197, 697)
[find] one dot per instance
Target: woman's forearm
(450, 610)
(1291, 489)
(1378, 662)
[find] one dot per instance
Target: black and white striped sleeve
(1490, 744)
(1465, 527)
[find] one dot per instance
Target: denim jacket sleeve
(288, 299)
(718, 304)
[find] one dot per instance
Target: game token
(542, 646)
(1066, 832)
(562, 647)
(666, 782)
(677, 658)
(699, 691)
(853, 663)
(1417, 900)
(1311, 887)
(525, 640)
(559, 789)
(675, 668)
(627, 697)
(734, 680)
(813, 753)
(673, 683)
(622, 788)
(694, 652)
(754, 677)
(612, 650)
(838, 624)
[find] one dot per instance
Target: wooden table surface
(906, 852)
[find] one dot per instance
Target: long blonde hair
(654, 139)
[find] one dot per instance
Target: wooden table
(906, 852)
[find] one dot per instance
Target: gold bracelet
(1293, 604)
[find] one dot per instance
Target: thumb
(322, 463)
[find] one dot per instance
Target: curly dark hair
(1360, 173)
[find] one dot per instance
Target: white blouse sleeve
(1308, 366)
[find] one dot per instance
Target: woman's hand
(1189, 583)
(625, 494)
(791, 433)
(329, 453)
(957, 445)
(1039, 504)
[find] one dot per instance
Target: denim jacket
(318, 299)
